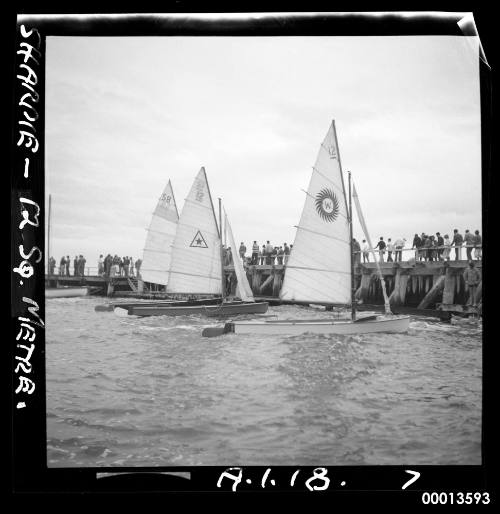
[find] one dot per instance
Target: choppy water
(151, 391)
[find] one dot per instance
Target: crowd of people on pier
(267, 254)
(108, 266)
(426, 247)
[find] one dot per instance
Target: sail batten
(321, 234)
(196, 259)
(157, 251)
(322, 238)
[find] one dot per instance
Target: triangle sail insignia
(160, 236)
(198, 241)
(243, 289)
(319, 266)
(196, 260)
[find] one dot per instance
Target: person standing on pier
(126, 264)
(269, 252)
(107, 264)
(75, 266)
(138, 263)
(52, 265)
(100, 265)
(440, 243)
(416, 245)
(62, 265)
(469, 244)
(366, 251)
(242, 250)
(68, 263)
(447, 247)
(390, 250)
(457, 242)
(82, 265)
(472, 278)
(381, 249)
(255, 253)
(131, 266)
(262, 254)
(280, 255)
(478, 243)
(399, 244)
(286, 252)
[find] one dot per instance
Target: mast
(349, 214)
(353, 292)
(48, 235)
(223, 277)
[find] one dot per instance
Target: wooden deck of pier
(424, 285)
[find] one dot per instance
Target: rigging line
(321, 234)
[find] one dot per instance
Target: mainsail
(196, 258)
(319, 266)
(161, 232)
(243, 289)
(367, 235)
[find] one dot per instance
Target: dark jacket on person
(472, 276)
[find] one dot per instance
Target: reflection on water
(151, 391)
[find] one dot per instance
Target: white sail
(161, 232)
(319, 266)
(196, 255)
(243, 289)
(367, 235)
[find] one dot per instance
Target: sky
(125, 115)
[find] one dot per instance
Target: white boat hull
(296, 327)
(66, 292)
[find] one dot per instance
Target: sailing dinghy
(157, 255)
(320, 268)
(195, 266)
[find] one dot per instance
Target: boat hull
(229, 309)
(157, 303)
(66, 292)
(296, 327)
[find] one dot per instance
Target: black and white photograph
(263, 250)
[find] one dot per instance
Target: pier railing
(419, 254)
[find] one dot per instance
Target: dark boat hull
(227, 309)
(158, 303)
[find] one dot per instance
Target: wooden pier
(420, 284)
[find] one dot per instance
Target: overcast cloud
(125, 115)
